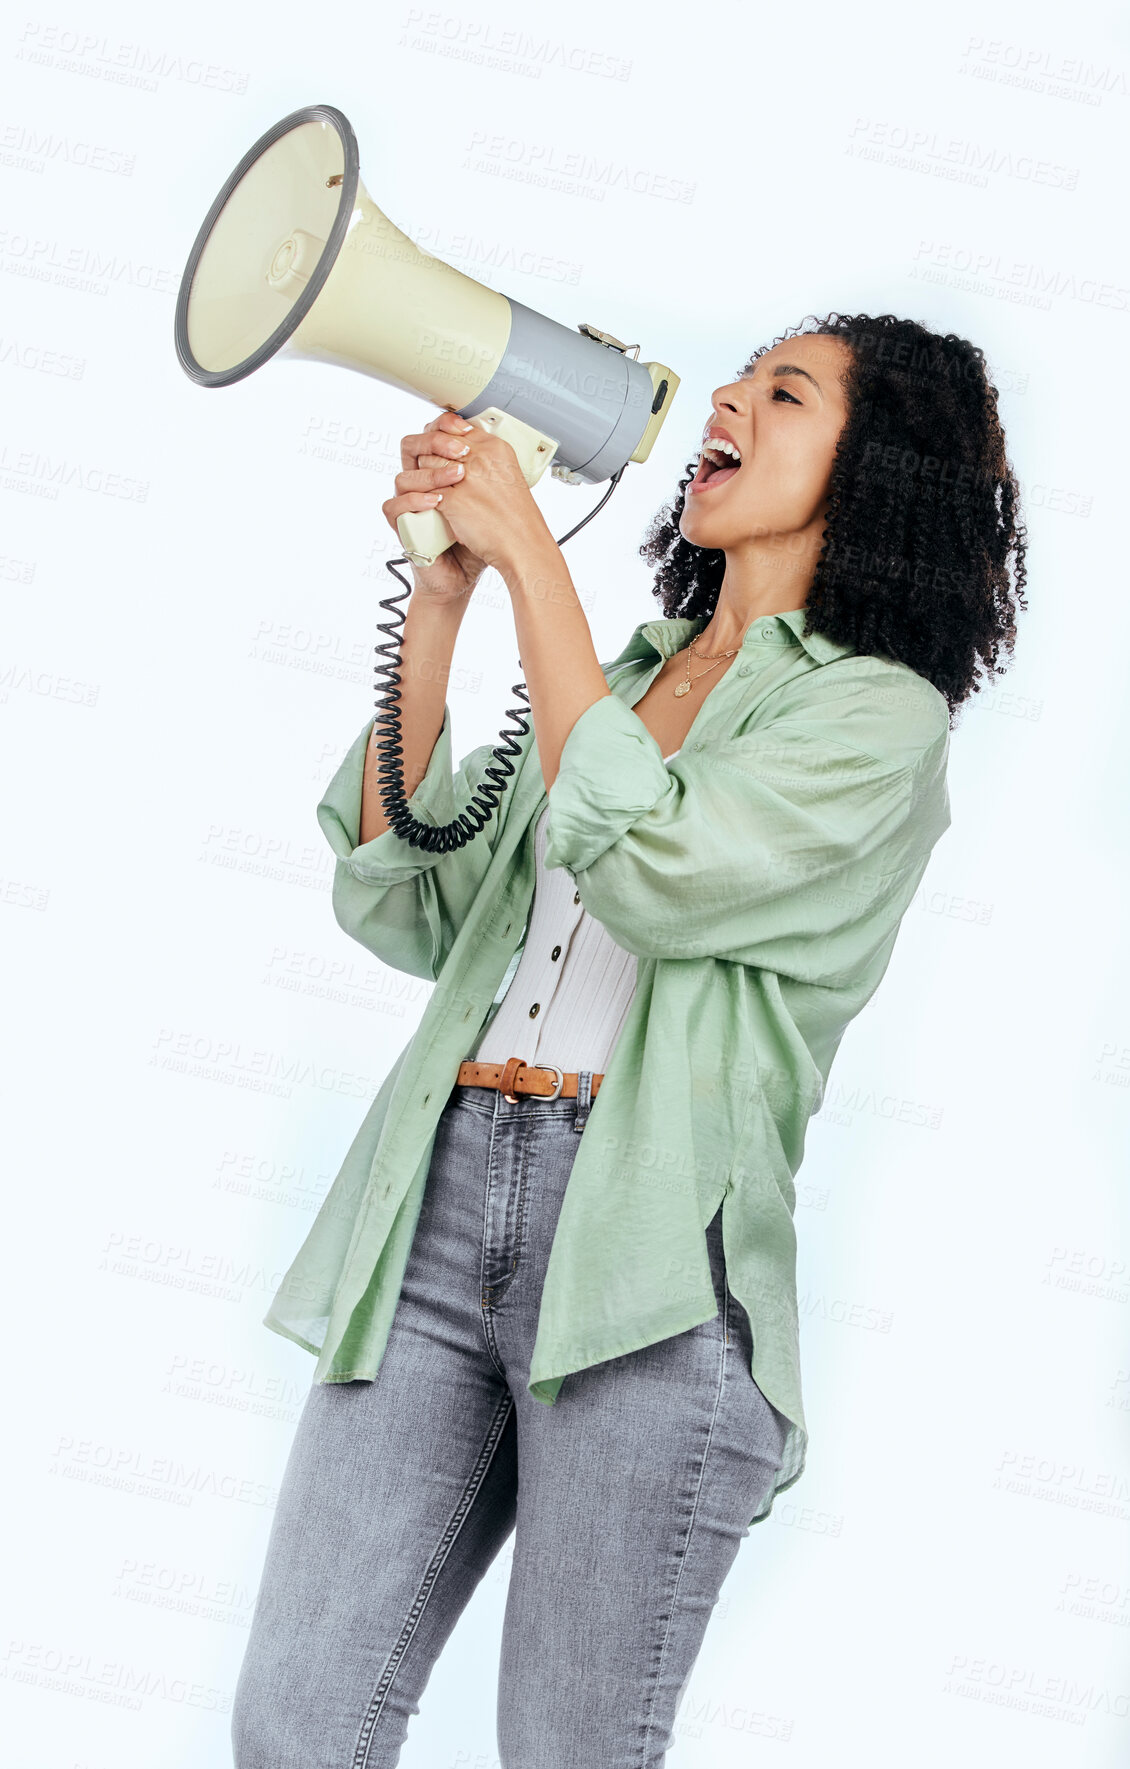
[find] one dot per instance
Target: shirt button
(556, 953)
(766, 632)
(576, 896)
(535, 1010)
(745, 669)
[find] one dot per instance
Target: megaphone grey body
(594, 400)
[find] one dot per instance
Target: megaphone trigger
(424, 534)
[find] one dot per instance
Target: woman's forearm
(430, 630)
(559, 662)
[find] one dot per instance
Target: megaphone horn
(295, 259)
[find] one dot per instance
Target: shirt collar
(662, 638)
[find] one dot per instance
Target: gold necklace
(685, 687)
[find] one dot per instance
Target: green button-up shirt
(759, 876)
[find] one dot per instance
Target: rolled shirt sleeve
(785, 847)
(403, 903)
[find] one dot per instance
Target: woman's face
(784, 415)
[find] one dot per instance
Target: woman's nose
(729, 402)
(726, 410)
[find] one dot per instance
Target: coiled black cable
(445, 838)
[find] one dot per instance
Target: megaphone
(295, 259)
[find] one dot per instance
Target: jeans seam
(522, 1204)
(649, 1722)
(488, 1195)
(455, 1523)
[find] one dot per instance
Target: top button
(766, 632)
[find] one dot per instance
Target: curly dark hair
(923, 512)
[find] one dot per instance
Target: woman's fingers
(444, 438)
(407, 504)
(427, 478)
(430, 462)
(421, 451)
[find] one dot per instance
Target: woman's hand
(427, 461)
(488, 506)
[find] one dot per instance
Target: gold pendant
(683, 688)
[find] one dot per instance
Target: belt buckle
(560, 1073)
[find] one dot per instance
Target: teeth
(718, 448)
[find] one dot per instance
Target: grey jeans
(628, 1497)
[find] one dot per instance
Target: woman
(552, 1290)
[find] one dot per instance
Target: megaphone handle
(425, 535)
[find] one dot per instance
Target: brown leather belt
(515, 1077)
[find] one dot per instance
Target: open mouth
(714, 468)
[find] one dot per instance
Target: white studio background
(191, 586)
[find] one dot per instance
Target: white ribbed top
(569, 997)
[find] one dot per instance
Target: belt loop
(584, 1099)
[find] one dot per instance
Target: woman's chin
(701, 530)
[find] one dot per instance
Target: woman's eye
(786, 393)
